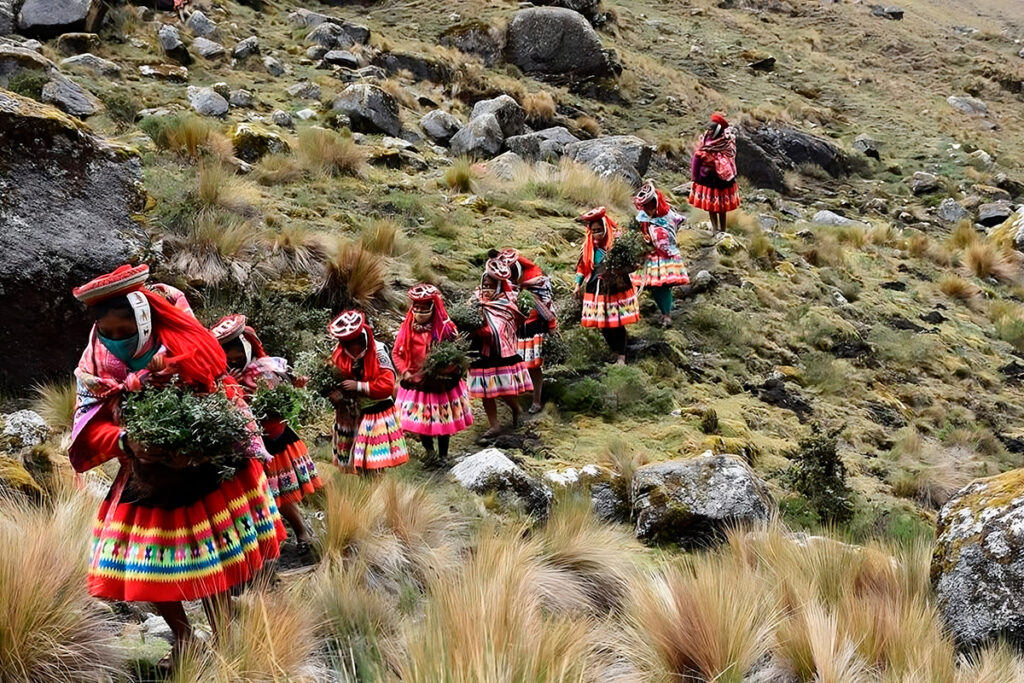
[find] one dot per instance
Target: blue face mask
(124, 349)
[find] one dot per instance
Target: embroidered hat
(124, 279)
(593, 215)
(348, 325)
(229, 327)
(423, 292)
(720, 119)
(508, 255)
(645, 194)
(497, 269)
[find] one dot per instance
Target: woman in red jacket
(367, 434)
(713, 171)
(167, 532)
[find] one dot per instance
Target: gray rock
(208, 49)
(305, 18)
(330, 36)
(421, 68)
(833, 219)
(164, 72)
(1018, 229)
(480, 138)
(200, 24)
(370, 109)
(306, 114)
(207, 101)
(24, 429)
(304, 90)
(317, 51)
(541, 145)
(971, 106)
(397, 143)
(342, 58)
(440, 126)
(67, 201)
(252, 142)
(170, 43)
(240, 98)
(980, 159)
(282, 118)
(511, 117)
(246, 48)
(554, 40)
(505, 165)
(890, 12)
(867, 146)
(70, 97)
(950, 212)
(693, 502)
(994, 213)
(490, 471)
(476, 38)
(923, 183)
(703, 280)
(765, 152)
(155, 627)
(978, 563)
(46, 18)
(90, 62)
(78, 43)
(274, 66)
(8, 17)
(588, 8)
(623, 155)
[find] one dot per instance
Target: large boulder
(308, 19)
(23, 429)
(978, 565)
(421, 68)
(481, 138)
(370, 109)
(511, 117)
(200, 24)
(440, 126)
(765, 152)
(994, 214)
(207, 101)
(252, 141)
(490, 471)
(208, 49)
(49, 18)
(541, 145)
(476, 38)
(58, 90)
(588, 8)
(694, 502)
(67, 199)
(171, 44)
(623, 155)
(90, 62)
(950, 211)
(555, 40)
(8, 17)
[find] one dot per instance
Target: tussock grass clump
(584, 187)
(278, 169)
(205, 251)
(325, 153)
(588, 125)
(187, 135)
(219, 189)
(459, 175)
(963, 235)
(540, 107)
(294, 250)
(50, 629)
(958, 288)
(810, 646)
(985, 260)
(355, 276)
(826, 250)
(381, 236)
(55, 403)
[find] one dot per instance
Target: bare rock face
(371, 109)
(623, 155)
(490, 470)
(511, 117)
(252, 141)
(58, 89)
(440, 126)
(978, 564)
(481, 138)
(555, 40)
(48, 18)
(67, 199)
(764, 154)
(476, 38)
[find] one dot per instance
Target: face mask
(123, 349)
(423, 317)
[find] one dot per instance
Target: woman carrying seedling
(170, 529)
(713, 171)
(367, 434)
(292, 474)
(433, 401)
(663, 268)
(609, 298)
(498, 372)
(527, 275)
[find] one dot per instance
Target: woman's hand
(577, 292)
(349, 385)
(147, 455)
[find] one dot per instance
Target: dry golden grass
(825, 250)
(325, 153)
(278, 169)
(50, 629)
(459, 176)
(205, 252)
(740, 222)
(293, 250)
(381, 236)
(810, 646)
(400, 93)
(958, 288)
(584, 187)
(55, 403)
(994, 664)
(355, 276)
(985, 260)
(540, 107)
(219, 189)
(963, 235)
(589, 125)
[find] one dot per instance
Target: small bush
(819, 474)
(459, 175)
(826, 373)
(326, 153)
(709, 421)
(28, 84)
(121, 105)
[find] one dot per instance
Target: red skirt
(292, 474)
(715, 200)
(152, 554)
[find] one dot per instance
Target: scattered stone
(397, 143)
(971, 106)
(440, 126)
(725, 243)
(774, 392)
(305, 18)
(476, 38)
(867, 146)
(164, 72)
(554, 40)
(993, 193)
(241, 98)
(330, 36)
(831, 218)
(490, 471)
(155, 627)
(891, 12)
(23, 429)
(933, 318)
(306, 114)
(282, 118)
(370, 109)
(950, 212)
(252, 142)
(317, 51)
(511, 117)
(48, 18)
(70, 220)
(246, 48)
(923, 183)
(70, 97)
(505, 165)
(480, 138)
(542, 145)
(980, 159)
(624, 155)
(207, 101)
(274, 66)
(97, 65)
(208, 49)
(342, 58)
(421, 68)
(305, 90)
(78, 43)
(695, 502)
(978, 563)
(994, 213)
(170, 43)
(200, 24)
(763, 64)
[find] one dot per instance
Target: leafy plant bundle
(627, 254)
(178, 424)
(555, 350)
(525, 302)
(444, 355)
(324, 376)
(819, 474)
(466, 315)
(281, 402)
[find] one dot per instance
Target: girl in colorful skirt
(663, 268)
(292, 474)
(367, 434)
(429, 407)
(167, 532)
(525, 274)
(713, 171)
(499, 371)
(609, 299)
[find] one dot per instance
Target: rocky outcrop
(370, 109)
(207, 101)
(555, 40)
(693, 502)
(440, 126)
(971, 106)
(833, 219)
(208, 49)
(421, 68)
(541, 145)
(252, 141)
(978, 565)
(588, 8)
(78, 43)
(66, 204)
(476, 38)
(200, 24)
(490, 471)
(623, 155)
(49, 18)
(172, 45)
(308, 19)
(23, 429)
(90, 62)
(58, 90)
(993, 214)
(244, 49)
(481, 138)
(511, 117)
(764, 153)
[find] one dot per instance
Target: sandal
(535, 408)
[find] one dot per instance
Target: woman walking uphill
(429, 406)
(291, 473)
(166, 532)
(663, 268)
(609, 299)
(713, 171)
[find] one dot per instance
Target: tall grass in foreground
(50, 629)
(55, 403)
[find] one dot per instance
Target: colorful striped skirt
(662, 271)
(154, 554)
(531, 341)
(494, 378)
(372, 440)
(435, 413)
(607, 305)
(715, 199)
(292, 474)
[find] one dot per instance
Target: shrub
(121, 105)
(819, 474)
(326, 153)
(622, 390)
(28, 84)
(825, 372)
(709, 421)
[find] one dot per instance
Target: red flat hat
(593, 215)
(423, 292)
(497, 269)
(508, 255)
(348, 325)
(123, 280)
(720, 120)
(229, 327)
